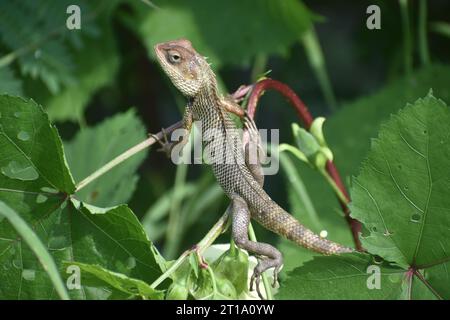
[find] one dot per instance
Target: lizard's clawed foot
(166, 146)
(262, 266)
(256, 279)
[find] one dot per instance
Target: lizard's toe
(276, 271)
(256, 279)
(165, 145)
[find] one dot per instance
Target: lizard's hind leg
(272, 258)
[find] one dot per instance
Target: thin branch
(263, 85)
(307, 119)
(208, 239)
(127, 154)
(239, 94)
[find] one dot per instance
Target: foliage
(400, 196)
(37, 184)
(59, 229)
(110, 138)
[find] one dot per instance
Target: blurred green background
(104, 91)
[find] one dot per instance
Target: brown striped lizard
(241, 181)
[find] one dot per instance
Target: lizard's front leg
(167, 146)
(272, 258)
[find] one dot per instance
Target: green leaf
(233, 266)
(97, 64)
(401, 193)
(36, 183)
(350, 276)
(117, 284)
(110, 238)
(246, 35)
(37, 247)
(348, 134)
(306, 142)
(438, 277)
(31, 154)
(103, 143)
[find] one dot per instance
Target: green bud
(233, 266)
(306, 142)
(226, 288)
(177, 292)
(317, 131)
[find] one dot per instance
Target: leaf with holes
(348, 133)
(401, 193)
(36, 183)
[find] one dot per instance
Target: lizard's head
(184, 66)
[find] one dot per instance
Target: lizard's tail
(284, 224)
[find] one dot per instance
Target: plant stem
(267, 288)
(259, 66)
(334, 186)
(124, 156)
(422, 33)
(307, 119)
(299, 187)
(316, 60)
(407, 38)
(173, 227)
(207, 240)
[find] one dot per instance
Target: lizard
(241, 181)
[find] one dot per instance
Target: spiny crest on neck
(188, 70)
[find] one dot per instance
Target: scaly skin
(241, 181)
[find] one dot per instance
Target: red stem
(307, 119)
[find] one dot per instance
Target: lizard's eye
(174, 57)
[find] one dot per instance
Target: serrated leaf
(111, 238)
(350, 276)
(401, 193)
(28, 143)
(103, 143)
(348, 134)
(40, 42)
(97, 64)
(36, 183)
(37, 247)
(95, 276)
